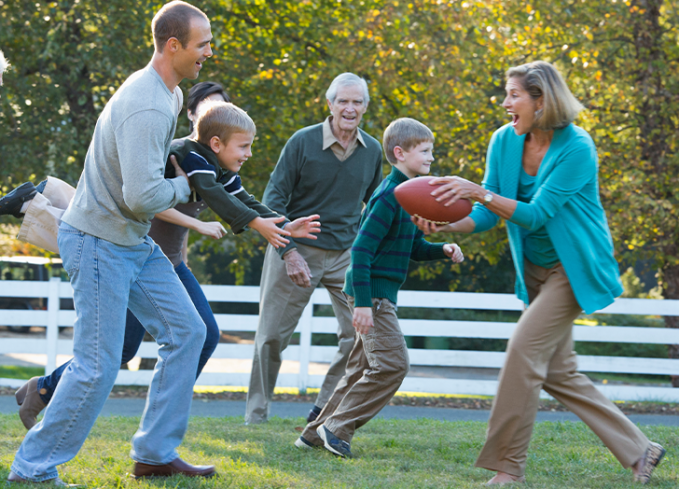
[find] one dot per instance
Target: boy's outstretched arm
(213, 229)
(304, 227)
(268, 228)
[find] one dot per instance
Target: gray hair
(4, 64)
(541, 79)
(347, 80)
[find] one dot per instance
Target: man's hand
(304, 226)
(213, 229)
(178, 170)
(363, 319)
(272, 233)
(454, 252)
(297, 268)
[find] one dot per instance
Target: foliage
(390, 453)
(442, 62)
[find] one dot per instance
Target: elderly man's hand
(298, 269)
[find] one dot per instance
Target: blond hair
(541, 79)
(222, 119)
(406, 133)
(4, 64)
(174, 20)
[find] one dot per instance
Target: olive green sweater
(309, 180)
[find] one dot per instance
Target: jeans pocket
(71, 241)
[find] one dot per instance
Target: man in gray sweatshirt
(113, 265)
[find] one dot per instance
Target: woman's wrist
(479, 194)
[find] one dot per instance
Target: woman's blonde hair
(4, 64)
(541, 79)
(222, 119)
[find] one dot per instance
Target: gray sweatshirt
(122, 185)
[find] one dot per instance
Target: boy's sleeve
(233, 185)
(230, 208)
(374, 227)
(423, 250)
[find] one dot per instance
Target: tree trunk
(656, 130)
(671, 291)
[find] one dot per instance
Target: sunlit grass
(389, 453)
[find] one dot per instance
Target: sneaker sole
(300, 444)
(328, 447)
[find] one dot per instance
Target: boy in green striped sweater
(386, 241)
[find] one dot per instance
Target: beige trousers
(377, 366)
(540, 356)
(280, 307)
(43, 215)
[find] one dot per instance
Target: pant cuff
(51, 475)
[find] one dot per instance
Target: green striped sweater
(386, 241)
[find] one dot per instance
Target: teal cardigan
(566, 202)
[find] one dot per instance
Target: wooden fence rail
(54, 317)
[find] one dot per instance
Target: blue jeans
(108, 279)
(134, 334)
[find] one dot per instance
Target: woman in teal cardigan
(541, 176)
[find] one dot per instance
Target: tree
(442, 62)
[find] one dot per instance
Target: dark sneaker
(12, 202)
(313, 414)
(654, 454)
(302, 442)
(333, 444)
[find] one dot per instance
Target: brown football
(416, 199)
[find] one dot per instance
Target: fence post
(53, 304)
(305, 344)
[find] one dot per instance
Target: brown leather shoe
(13, 478)
(29, 399)
(177, 466)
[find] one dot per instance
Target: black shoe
(333, 444)
(12, 202)
(313, 414)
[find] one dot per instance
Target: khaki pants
(377, 366)
(43, 215)
(281, 305)
(540, 356)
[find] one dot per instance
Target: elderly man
(329, 169)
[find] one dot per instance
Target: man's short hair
(222, 119)
(347, 80)
(174, 20)
(542, 79)
(4, 64)
(406, 133)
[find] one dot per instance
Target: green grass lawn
(389, 453)
(16, 372)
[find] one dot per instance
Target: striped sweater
(387, 239)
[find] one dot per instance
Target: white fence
(53, 318)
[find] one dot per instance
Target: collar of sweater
(397, 175)
(189, 145)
